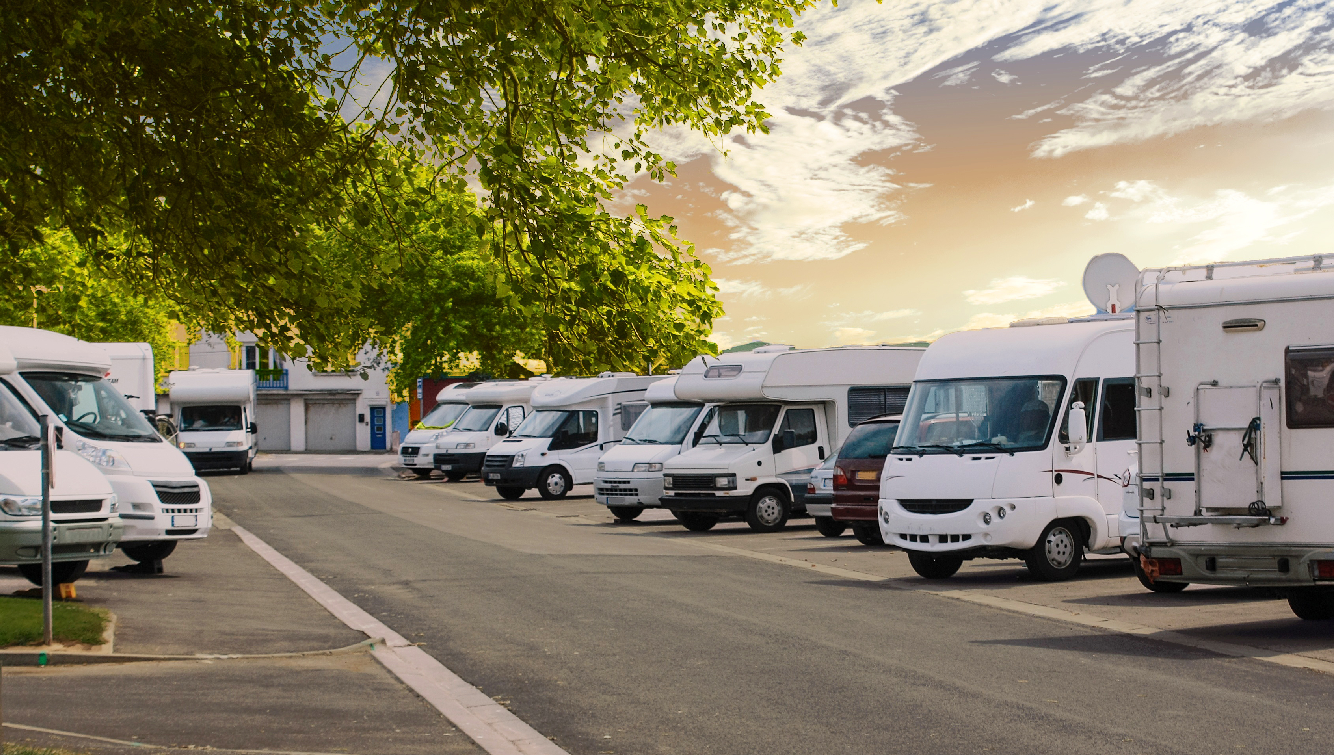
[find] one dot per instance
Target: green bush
(21, 623)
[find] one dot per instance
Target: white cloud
(1098, 212)
(747, 289)
(1074, 201)
(847, 336)
(1026, 205)
(1004, 77)
(1014, 288)
(958, 75)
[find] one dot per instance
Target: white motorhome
(574, 420)
(133, 374)
(780, 413)
(629, 476)
(84, 524)
(162, 501)
(1236, 388)
(495, 409)
(417, 451)
(214, 411)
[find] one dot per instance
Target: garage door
(275, 425)
(331, 425)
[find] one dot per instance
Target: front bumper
(210, 460)
(148, 518)
(625, 489)
(21, 540)
(735, 503)
(512, 477)
(424, 458)
(469, 462)
(963, 530)
(1254, 565)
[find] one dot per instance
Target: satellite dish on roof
(1109, 283)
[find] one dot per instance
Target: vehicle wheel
(148, 552)
(510, 494)
(1159, 586)
(245, 467)
(554, 483)
(62, 572)
(1312, 603)
(422, 474)
(455, 476)
(696, 522)
(626, 513)
(934, 565)
(868, 534)
(768, 511)
(826, 526)
(1058, 554)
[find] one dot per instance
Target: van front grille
(935, 505)
(84, 506)
(694, 481)
(176, 492)
(410, 450)
(497, 462)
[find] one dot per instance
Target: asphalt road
(610, 642)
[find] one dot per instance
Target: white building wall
(298, 420)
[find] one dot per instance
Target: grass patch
(21, 623)
(9, 749)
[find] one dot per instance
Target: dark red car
(857, 476)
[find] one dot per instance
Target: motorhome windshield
(477, 418)
(665, 424)
(18, 429)
(742, 423)
(92, 407)
(870, 440)
(442, 416)
(211, 417)
(997, 414)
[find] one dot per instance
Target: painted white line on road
(493, 727)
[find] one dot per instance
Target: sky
(935, 166)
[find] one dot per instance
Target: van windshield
(663, 424)
(18, 428)
(211, 417)
(742, 423)
(442, 416)
(997, 414)
(477, 418)
(92, 407)
(870, 440)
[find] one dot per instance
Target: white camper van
(133, 374)
(1017, 443)
(84, 524)
(214, 411)
(1236, 388)
(780, 413)
(629, 476)
(417, 451)
(574, 420)
(495, 409)
(161, 499)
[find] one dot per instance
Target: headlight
(518, 460)
(602, 466)
(24, 506)
(465, 445)
(234, 444)
(727, 482)
(108, 459)
(644, 466)
(666, 481)
(183, 444)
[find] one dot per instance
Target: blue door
(377, 428)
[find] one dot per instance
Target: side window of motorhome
(1117, 415)
(630, 412)
(802, 424)
(579, 429)
(1085, 390)
(865, 402)
(1310, 391)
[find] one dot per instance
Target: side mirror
(1076, 427)
(502, 428)
(254, 429)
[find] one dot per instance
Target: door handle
(821, 450)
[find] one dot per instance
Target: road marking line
(492, 726)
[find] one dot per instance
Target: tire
(868, 534)
(768, 511)
(510, 494)
(422, 474)
(554, 483)
(62, 572)
(826, 526)
(1058, 553)
(695, 521)
(149, 552)
(245, 467)
(1312, 603)
(1159, 586)
(934, 566)
(626, 513)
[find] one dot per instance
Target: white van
(780, 413)
(417, 451)
(1236, 384)
(84, 524)
(574, 420)
(133, 374)
(162, 501)
(495, 409)
(629, 476)
(214, 411)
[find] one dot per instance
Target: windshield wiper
(22, 441)
(987, 444)
(628, 439)
(911, 449)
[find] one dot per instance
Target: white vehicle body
(214, 410)
(417, 450)
(978, 467)
(780, 413)
(629, 475)
(495, 409)
(133, 375)
(1237, 425)
(161, 498)
(574, 420)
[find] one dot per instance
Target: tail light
(810, 488)
(1162, 567)
(840, 478)
(1324, 570)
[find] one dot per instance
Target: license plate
(185, 520)
(866, 474)
(81, 535)
(409, 462)
(445, 467)
(493, 476)
(618, 500)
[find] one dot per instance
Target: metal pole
(47, 453)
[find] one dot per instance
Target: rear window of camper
(211, 418)
(1310, 395)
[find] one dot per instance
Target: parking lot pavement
(373, 460)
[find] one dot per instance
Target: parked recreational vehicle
(215, 417)
(161, 499)
(574, 420)
(417, 451)
(1016, 443)
(495, 409)
(133, 374)
(1235, 365)
(780, 413)
(84, 524)
(629, 477)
